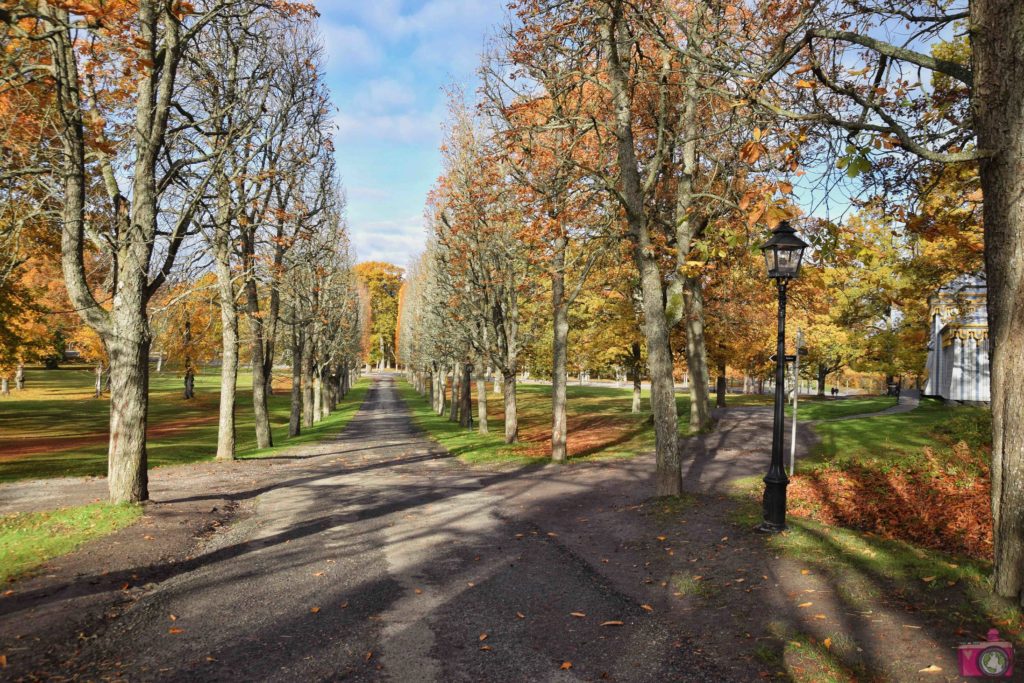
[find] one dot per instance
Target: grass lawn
(29, 539)
(600, 424)
(904, 436)
(920, 477)
(55, 428)
(818, 408)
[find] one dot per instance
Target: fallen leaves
(3, 661)
(578, 615)
(483, 637)
(805, 604)
(827, 643)
(646, 608)
(611, 623)
(314, 610)
(520, 615)
(565, 666)
(931, 669)
(175, 631)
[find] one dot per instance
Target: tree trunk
(497, 383)
(317, 397)
(19, 377)
(295, 414)
(98, 390)
(325, 393)
(429, 385)
(307, 383)
(481, 404)
(997, 38)
(5, 386)
(559, 352)
(668, 477)
(508, 392)
(822, 376)
(229, 338)
(637, 377)
(127, 471)
(696, 354)
(190, 382)
(465, 398)
(722, 386)
(453, 408)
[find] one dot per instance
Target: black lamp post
(782, 254)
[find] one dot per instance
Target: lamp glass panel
(788, 261)
(769, 260)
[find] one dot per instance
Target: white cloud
(385, 94)
(410, 127)
(349, 47)
(396, 241)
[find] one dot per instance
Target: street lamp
(782, 254)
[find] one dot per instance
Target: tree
(382, 280)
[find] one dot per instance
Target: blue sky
(388, 62)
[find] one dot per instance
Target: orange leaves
(751, 151)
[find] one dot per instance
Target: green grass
(468, 445)
(818, 408)
(29, 539)
(901, 438)
(600, 424)
(57, 405)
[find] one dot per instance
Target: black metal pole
(776, 480)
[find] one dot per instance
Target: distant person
(835, 392)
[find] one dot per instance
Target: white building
(958, 365)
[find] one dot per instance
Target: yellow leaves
(827, 643)
(802, 83)
(805, 604)
(314, 610)
(647, 608)
(805, 572)
(578, 615)
(785, 187)
(931, 669)
(483, 637)
(928, 579)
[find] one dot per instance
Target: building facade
(958, 362)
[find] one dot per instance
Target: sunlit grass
(29, 539)
(68, 427)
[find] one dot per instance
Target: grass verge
(29, 539)
(56, 429)
(468, 445)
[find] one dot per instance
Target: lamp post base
(774, 504)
